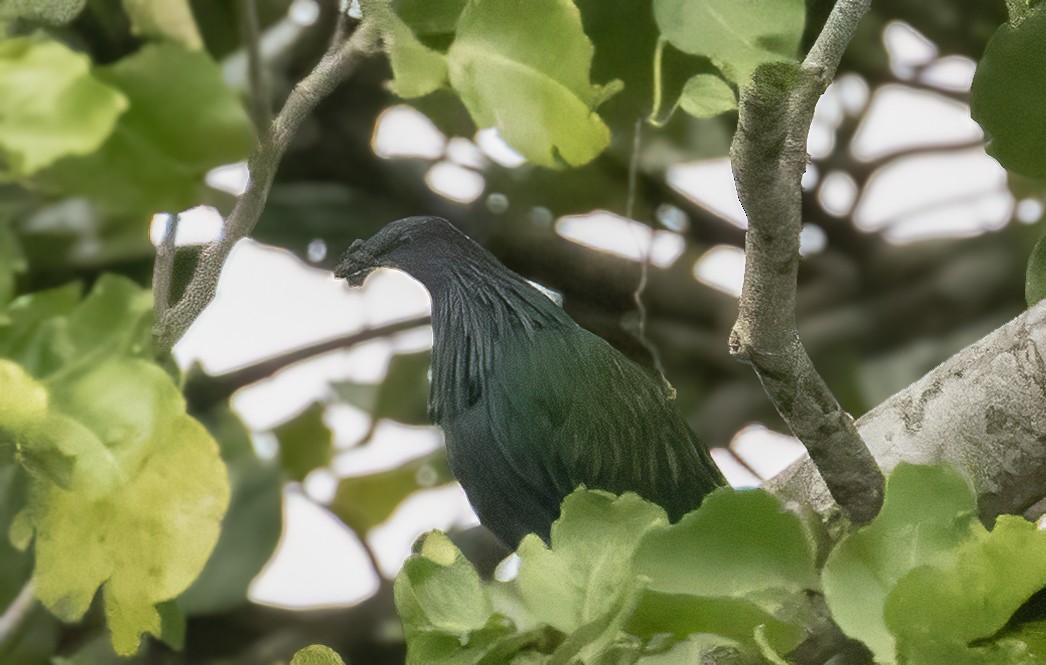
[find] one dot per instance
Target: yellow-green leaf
(51, 106)
(164, 19)
(146, 539)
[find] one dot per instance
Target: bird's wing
(591, 416)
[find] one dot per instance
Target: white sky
(269, 302)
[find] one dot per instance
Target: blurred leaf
(183, 121)
(252, 525)
(927, 512)
(526, 71)
(700, 649)
(35, 641)
(164, 19)
(1035, 286)
(706, 95)
(50, 105)
(33, 325)
(12, 262)
(587, 573)
(738, 35)
(739, 543)
(1009, 93)
(417, 69)
(363, 502)
(430, 17)
(219, 24)
(15, 565)
(97, 651)
(305, 443)
(971, 595)
(402, 396)
(145, 540)
(317, 655)
(51, 12)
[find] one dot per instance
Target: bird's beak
(355, 264)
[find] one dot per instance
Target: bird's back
(558, 408)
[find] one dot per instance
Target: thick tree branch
(769, 157)
(339, 61)
(983, 410)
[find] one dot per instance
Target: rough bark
(982, 410)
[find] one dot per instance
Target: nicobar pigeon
(532, 405)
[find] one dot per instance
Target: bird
(531, 404)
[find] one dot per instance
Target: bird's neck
(474, 313)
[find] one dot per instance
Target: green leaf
(430, 17)
(737, 35)
(363, 502)
(51, 12)
(1035, 286)
(973, 595)
(183, 120)
(732, 620)
(146, 539)
(524, 68)
(48, 331)
(12, 262)
(588, 571)
(15, 565)
(1009, 93)
(403, 395)
(927, 512)
(439, 589)
(737, 544)
(417, 69)
(701, 649)
(252, 525)
(164, 19)
(50, 104)
(305, 443)
(705, 96)
(317, 655)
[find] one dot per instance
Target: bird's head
(418, 246)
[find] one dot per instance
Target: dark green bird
(532, 404)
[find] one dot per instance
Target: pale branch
(769, 158)
(163, 267)
(260, 98)
(336, 64)
(983, 410)
(16, 612)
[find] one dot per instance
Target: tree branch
(260, 95)
(204, 390)
(982, 410)
(163, 268)
(16, 612)
(336, 64)
(769, 157)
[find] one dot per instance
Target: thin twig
(17, 611)
(644, 264)
(336, 64)
(163, 268)
(260, 95)
(203, 390)
(768, 158)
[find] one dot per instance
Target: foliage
(1009, 91)
(117, 472)
(525, 68)
(113, 114)
(923, 582)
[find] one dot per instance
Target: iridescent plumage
(532, 404)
